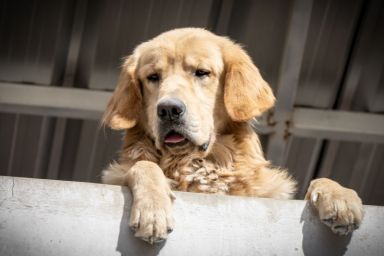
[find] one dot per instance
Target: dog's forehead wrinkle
(151, 63)
(207, 56)
(192, 49)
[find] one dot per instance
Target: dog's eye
(153, 77)
(202, 73)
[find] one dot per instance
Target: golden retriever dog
(185, 100)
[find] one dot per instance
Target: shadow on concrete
(127, 243)
(318, 239)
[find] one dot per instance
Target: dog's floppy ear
(125, 104)
(246, 94)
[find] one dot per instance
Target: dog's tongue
(174, 138)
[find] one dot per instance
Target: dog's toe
(151, 218)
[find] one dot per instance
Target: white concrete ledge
(48, 217)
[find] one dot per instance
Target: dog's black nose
(170, 109)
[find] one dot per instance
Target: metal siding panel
(291, 64)
(326, 51)
(97, 148)
(25, 149)
(358, 166)
(43, 148)
(8, 126)
(261, 27)
(56, 148)
(362, 87)
(125, 24)
(88, 44)
(28, 40)
(346, 158)
(372, 79)
(33, 40)
(85, 151)
(370, 95)
(69, 149)
(362, 167)
(373, 192)
(108, 145)
(301, 162)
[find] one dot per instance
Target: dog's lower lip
(174, 139)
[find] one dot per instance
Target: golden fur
(220, 106)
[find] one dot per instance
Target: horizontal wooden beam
(90, 104)
(337, 125)
(48, 217)
(52, 101)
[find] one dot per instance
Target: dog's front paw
(339, 208)
(151, 216)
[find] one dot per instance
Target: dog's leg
(151, 212)
(339, 208)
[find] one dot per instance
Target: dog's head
(185, 86)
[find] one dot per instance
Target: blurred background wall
(334, 49)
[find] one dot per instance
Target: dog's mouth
(175, 139)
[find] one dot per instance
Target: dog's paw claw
(328, 221)
(134, 227)
(344, 230)
(153, 240)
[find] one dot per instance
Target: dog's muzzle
(171, 112)
(172, 130)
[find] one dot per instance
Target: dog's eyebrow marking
(152, 64)
(156, 55)
(212, 62)
(193, 64)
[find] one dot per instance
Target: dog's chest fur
(231, 167)
(198, 175)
